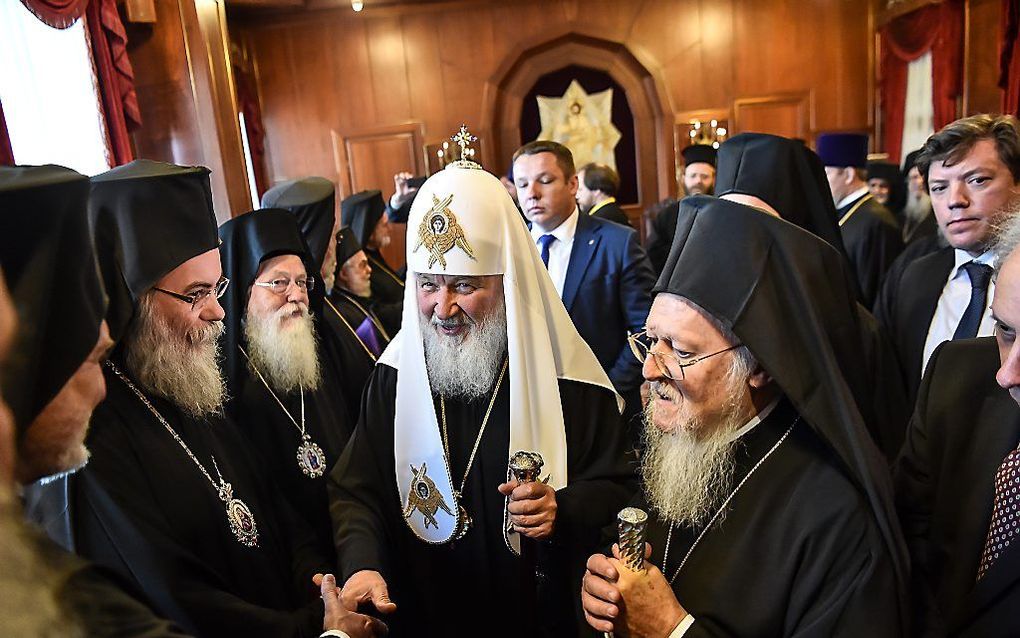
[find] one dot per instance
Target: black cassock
(470, 586)
(357, 310)
(347, 354)
(872, 241)
(276, 440)
(797, 554)
(387, 289)
(143, 509)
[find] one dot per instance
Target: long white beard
(688, 471)
(181, 367)
(917, 207)
(287, 357)
(464, 366)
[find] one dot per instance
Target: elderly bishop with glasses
(286, 390)
(174, 499)
(770, 509)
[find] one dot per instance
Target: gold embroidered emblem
(439, 232)
(424, 497)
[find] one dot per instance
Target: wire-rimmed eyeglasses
(200, 296)
(282, 285)
(639, 346)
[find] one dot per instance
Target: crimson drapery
(938, 28)
(1009, 57)
(115, 78)
(59, 14)
(248, 103)
(6, 153)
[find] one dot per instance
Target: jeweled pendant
(311, 459)
(464, 522)
(242, 523)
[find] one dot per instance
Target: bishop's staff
(526, 467)
(632, 527)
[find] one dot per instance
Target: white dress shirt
(559, 250)
(860, 192)
(954, 300)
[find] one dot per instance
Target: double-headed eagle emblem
(439, 232)
(424, 497)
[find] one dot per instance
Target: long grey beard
(688, 471)
(464, 367)
(287, 358)
(184, 368)
(917, 207)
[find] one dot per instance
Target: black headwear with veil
(147, 218)
(49, 264)
(785, 294)
(786, 175)
(248, 240)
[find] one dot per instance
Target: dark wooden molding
(653, 117)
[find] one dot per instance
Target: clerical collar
(852, 197)
(963, 257)
(605, 202)
(756, 419)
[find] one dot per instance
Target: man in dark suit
(972, 168)
(870, 234)
(597, 266)
(956, 479)
(597, 185)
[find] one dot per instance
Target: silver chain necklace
(242, 522)
(722, 508)
(310, 457)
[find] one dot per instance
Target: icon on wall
(582, 122)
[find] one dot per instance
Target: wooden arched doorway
(653, 117)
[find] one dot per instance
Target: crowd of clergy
(803, 383)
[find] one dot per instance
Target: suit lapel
(924, 288)
(1006, 570)
(586, 242)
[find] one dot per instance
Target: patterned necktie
(1004, 514)
(980, 275)
(544, 242)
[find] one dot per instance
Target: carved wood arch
(653, 115)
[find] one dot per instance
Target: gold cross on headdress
(463, 139)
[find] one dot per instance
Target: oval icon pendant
(242, 523)
(311, 459)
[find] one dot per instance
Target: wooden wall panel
(327, 72)
(186, 96)
(788, 115)
(981, 91)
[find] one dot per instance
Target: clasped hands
(640, 605)
(532, 509)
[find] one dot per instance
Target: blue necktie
(980, 275)
(544, 242)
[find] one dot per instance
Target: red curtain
(1009, 57)
(114, 75)
(248, 103)
(6, 153)
(938, 28)
(59, 14)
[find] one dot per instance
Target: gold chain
(481, 431)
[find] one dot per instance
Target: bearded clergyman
(173, 499)
(431, 529)
(770, 510)
(286, 396)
